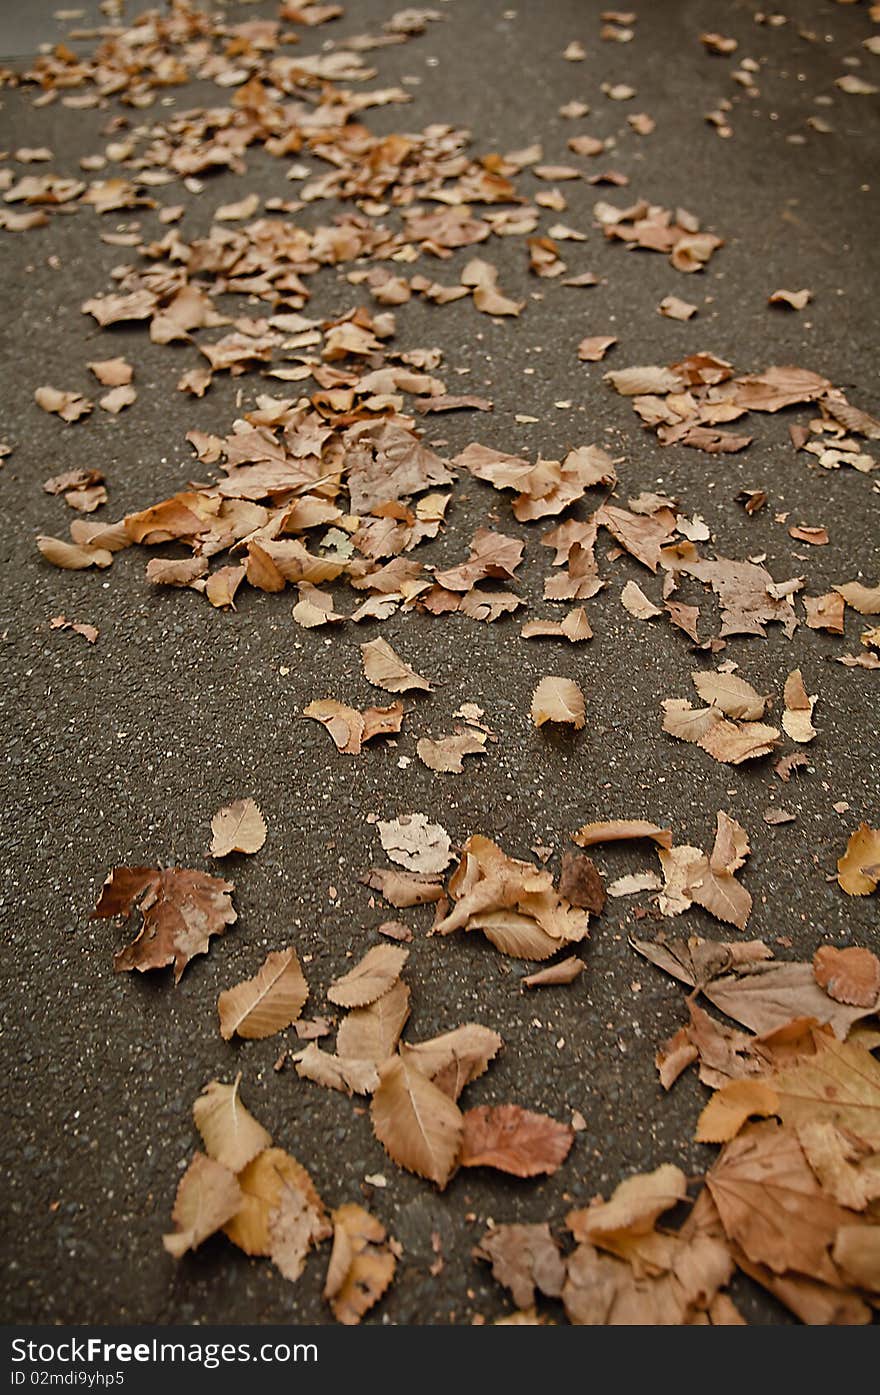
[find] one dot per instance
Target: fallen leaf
(858, 871)
(558, 700)
(370, 1034)
(524, 1258)
(414, 843)
(447, 752)
(403, 888)
(794, 300)
(385, 669)
(594, 350)
(208, 1196)
(230, 1133)
(361, 1264)
(372, 977)
(580, 882)
(514, 1140)
(419, 1126)
(864, 599)
(267, 1003)
(453, 1059)
(181, 909)
(848, 975)
(618, 830)
(238, 827)
(564, 971)
(734, 696)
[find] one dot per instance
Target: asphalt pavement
(122, 751)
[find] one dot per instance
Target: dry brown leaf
(267, 1003)
(263, 1183)
(230, 1133)
(370, 1034)
(352, 1076)
(453, 1059)
(558, 700)
(384, 669)
(419, 1126)
(73, 556)
(676, 1288)
(848, 975)
(864, 599)
(402, 889)
(731, 1106)
(112, 372)
(772, 1206)
(207, 1197)
(858, 871)
(69, 406)
(514, 1140)
(840, 1083)
(618, 830)
(524, 1258)
(361, 1264)
(732, 744)
(795, 300)
(797, 717)
(370, 979)
(238, 827)
(414, 843)
(632, 1210)
(593, 350)
(565, 971)
(447, 752)
(575, 627)
(181, 909)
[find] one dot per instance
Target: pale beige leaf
(732, 744)
(207, 1197)
(345, 724)
(414, 843)
(636, 602)
(380, 967)
(687, 723)
(238, 827)
(231, 1135)
(735, 697)
(566, 971)
(385, 669)
(864, 599)
(558, 700)
(73, 556)
(634, 1207)
(419, 1126)
(267, 1003)
(857, 1253)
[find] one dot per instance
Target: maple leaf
(419, 1126)
(207, 1197)
(267, 1003)
(181, 909)
(558, 700)
(372, 977)
(230, 1133)
(514, 1140)
(361, 1264)
(238, 827)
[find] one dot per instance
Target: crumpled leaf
(230, 1133)
(419, 1126)
(524, 1258)
(558, 700)
(514, 1140)
(632, 1211)
(563, 972)
(447, 752)
(238, 827)
(350, 728)
(181, 910)
(207, 1197)
(403, 888)
(414, 843)
(618, 830)
(361, 1264)
(267, 1003)
(370, 978)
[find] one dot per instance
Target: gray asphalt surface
(122, 752)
